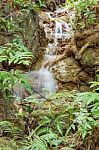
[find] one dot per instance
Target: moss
(88, 58)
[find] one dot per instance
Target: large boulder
(67, 70)
(69, 75)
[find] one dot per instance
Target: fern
(39, 144)
(42, 142)
(87, 98)
(9, 129)
(15, 53)
(87, 115)
(8, 81)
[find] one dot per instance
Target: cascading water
(62, 28)
(44, 82)
(42, 79)
(58, 29)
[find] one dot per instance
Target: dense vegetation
(67, 120)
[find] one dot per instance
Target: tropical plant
(85, 14)
(56, 122)
(42, 142)
(62, 120)
(15, 53)
(29, 4)
(88, 114)
(8, 128)
(8, 80)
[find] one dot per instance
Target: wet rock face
(27, 27)
(89, 58)
(30, 34)
(90, 54)
(73, 67)
(67, 70)
(70, 76)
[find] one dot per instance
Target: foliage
(85, 13)
(15, 53)
(8, 80)
(30, 4)
(8, 128)
(40, 4)
(42, 142)
(56, 121)
(65, 117)
(87, 116)
(8, 25)
(14, 8)
(6, 144)
(60, 121)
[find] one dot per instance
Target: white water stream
(43, 80)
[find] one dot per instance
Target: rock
(69, 75)
(89, 55)
(44, 17)
(34, 34)
(28, 29)
(84, 88)
(52, 24)
(67, 70)
(83, 76)
(53, 4)
(3, 40)
(64, 18)
(29, 35)
(89, 58)
(67, 86)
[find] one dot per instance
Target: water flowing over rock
(66, 60)
(73, 66)
(43, 82)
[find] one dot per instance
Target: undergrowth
(61, 122)
(85, 13)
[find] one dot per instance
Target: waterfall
(42, 80)
(62, 30)
(58, 30)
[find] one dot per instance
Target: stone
(44, 17)
(67, 86)
(64, 18)
(67, 70)
(90, 57)
(83, 76)
(84, 88)
(28, 29)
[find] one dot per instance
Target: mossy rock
(89, 58)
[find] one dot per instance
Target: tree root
(80, 53)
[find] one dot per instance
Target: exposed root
(80, 53)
